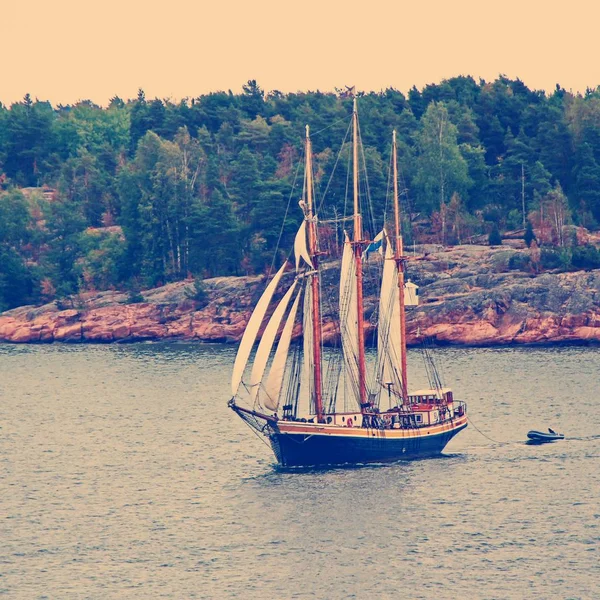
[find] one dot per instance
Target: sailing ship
(316, 407)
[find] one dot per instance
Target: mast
(399, 258)
(523, 192)
(316, 306)
(357, 243)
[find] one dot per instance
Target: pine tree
(529, 234)
(494, 238)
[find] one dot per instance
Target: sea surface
(123, 474)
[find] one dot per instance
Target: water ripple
(123, 474)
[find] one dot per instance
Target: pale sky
(71, 50)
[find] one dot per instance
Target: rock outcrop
(468, 296)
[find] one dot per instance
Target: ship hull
(301, 447)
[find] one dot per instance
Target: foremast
(314, 282)
(358, 244)
(399, 258)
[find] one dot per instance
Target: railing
(460, 408)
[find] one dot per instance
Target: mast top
(307, 131)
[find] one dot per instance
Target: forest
(147, 191)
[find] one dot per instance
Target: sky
(75, 50)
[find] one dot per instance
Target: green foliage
(520, 261)
(18, 282)
(149, 190)
(198, 294)
(500, 261)
(103, 260)
(556, 259)
(14, 219)
(135, 297)
(215, 248)
(64, 224)
(134, 294)
(159, 199)
(529, 234)
(587, 180)
(442, 170)
(494, 237)
(514, 219)
(29, 141)
(586, 257)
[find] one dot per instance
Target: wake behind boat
(318, 410)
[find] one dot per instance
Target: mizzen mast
(399, 258)
(314, 283)
(358, 248)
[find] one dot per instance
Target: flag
(375, 245)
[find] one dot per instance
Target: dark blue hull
(301, 450)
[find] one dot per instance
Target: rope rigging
(333, 361)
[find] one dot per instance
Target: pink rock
(22, 335)
(147, 331)
(7, 327)
(67, 315)
(97, 334)
(181, 328)
(121, 332)
(68, 333)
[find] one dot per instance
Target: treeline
(143, 192)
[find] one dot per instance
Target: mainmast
(358, 247)
(314, 283)
(399, 258)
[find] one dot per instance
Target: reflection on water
(123, 474)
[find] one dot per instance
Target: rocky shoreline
(469, 296)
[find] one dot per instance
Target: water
(124, 475)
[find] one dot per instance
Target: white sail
(272, 385)
(388, 331)
(252, 331)
(300, 249)
(266, 343)
(349, 321)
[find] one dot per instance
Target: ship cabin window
(419, 418)
(343, 419)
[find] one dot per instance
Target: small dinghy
(541, 437)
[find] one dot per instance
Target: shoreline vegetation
(469, 296)
(149, 219)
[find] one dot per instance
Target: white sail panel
(272, 385)
(349, 320)
(388, 329)
(266, 343)
(252, 329)
(300, 249)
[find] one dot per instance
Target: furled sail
(300, 249)
(349, 321)
(266, 343)
(272, 385)
(388, 331)
(252, 331)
